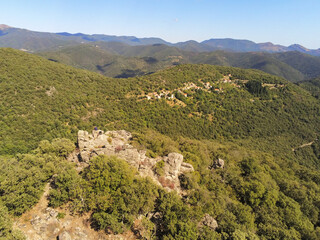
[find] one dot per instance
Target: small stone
(64, 236)
(219, 163)
(56, 230)
(36, 220)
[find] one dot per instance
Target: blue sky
(282, 22)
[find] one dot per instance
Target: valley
(127, 56)
(130, 61)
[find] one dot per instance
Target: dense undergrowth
(312, 86)
(265, 191)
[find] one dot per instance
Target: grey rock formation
(51, 213)
(44, 221)
(219, 163)
(117, 143)
(209, 221)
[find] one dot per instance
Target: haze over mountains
(127, 56)
(37, 41)
(116, 59)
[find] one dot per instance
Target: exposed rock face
(219, 163)
(117, 143)
(43, 223)
(46, 225)
(209, 221)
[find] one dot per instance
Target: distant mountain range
(128, 56)
(115, 59)
(38, 41)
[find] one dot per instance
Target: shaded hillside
(313, 86)
(140, 60)
(260, 61)
(308, 65)
(294, 66)
(133, 61)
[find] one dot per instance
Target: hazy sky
(279, 21)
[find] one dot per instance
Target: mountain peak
(298, 47)
(3, 27)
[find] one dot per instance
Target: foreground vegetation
(256, 195)
(252, 121)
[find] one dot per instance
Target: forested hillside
(121, 60)
(33, 41)
(312, 86)
(116, 59)
(258, 123)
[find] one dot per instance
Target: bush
(6, 232)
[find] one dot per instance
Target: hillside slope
(140, 60)
(116, 60)
(32, 85)
(32, 41)
(261, 61)
(268, 187)
(306, 64)
(313, 86)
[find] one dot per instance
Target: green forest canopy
(266, 190)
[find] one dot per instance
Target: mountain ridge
(116, 59)
(227, 44)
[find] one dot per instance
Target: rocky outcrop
(117, 143)
(209, 221)
(47, 225)
(218, 163)
(44, 223)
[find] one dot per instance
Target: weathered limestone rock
(209, 221)
(117, 143)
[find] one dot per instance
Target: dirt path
(43, 223)
(304, 145)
